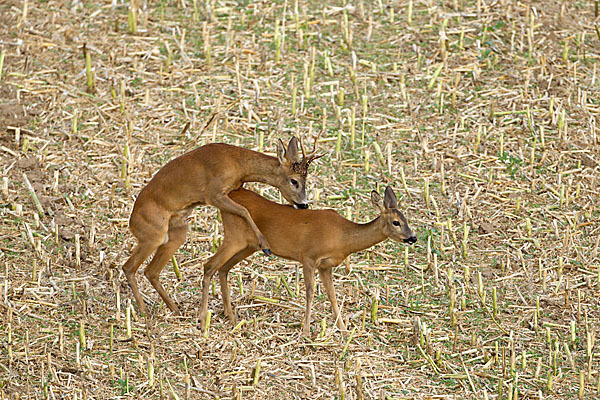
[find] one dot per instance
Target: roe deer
(205, 176)
(319, 239)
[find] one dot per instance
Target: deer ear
(292, 151)
(389, 199)
(377, 201)
(281, 152)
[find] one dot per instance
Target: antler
(307, 159)
(302, 149)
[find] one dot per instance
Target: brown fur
(319, 239)
(205, 175)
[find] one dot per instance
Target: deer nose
(301, 206)
(411, 240)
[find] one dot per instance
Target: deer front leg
(326, 277)
(209, 271)
(309, 284)
(225, 204)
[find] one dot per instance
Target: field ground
(482, 114)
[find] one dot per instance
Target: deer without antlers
(319, 239)
(205, 176)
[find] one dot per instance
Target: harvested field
(481, 114)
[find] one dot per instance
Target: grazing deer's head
(395, 225)
(293, 172)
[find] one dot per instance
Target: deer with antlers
(319, 239)
(205, 176)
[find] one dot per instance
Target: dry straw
(482, 114)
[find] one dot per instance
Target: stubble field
(483, 116)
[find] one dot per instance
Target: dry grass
(489, 109)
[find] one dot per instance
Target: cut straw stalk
(5, 187)
(150, 368)
(365, 107)
(88, 71)
(294, 100)
(111, 337)
(350, 337)
(464, 241)
(172, 391)
(388, 150)
(33, 195)
(207, 323)
(426, 191)
(77, 251)
(132, 20)
(354, 79)
(379, 153)
(435, 76)
(122, 95)
(328, 64)
(277, 42)
(9, 343)
(352, 127)
(256, 372)
(196, 15)
(374, 309)
(306, 80)
(82, 339)
(403, 178)
(311, 75)
(74, 125)
(2, 55)
(128, 319)
(340, 98)
(176, 269)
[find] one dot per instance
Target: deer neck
(261, 168)
(363, 236)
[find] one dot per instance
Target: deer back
(293, 234)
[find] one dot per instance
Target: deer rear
(319, 239)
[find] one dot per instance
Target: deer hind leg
(309, 284)
(141, 252)
(223, 272)
(150, 235)
(225, 204)
(326, 277)
(227, 256)
(175, 238)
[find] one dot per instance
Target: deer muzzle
(411, 240)
(300, 206)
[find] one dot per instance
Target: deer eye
(294, 182)
(396, 223)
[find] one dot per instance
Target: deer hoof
(267, 252)
(176, 312)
